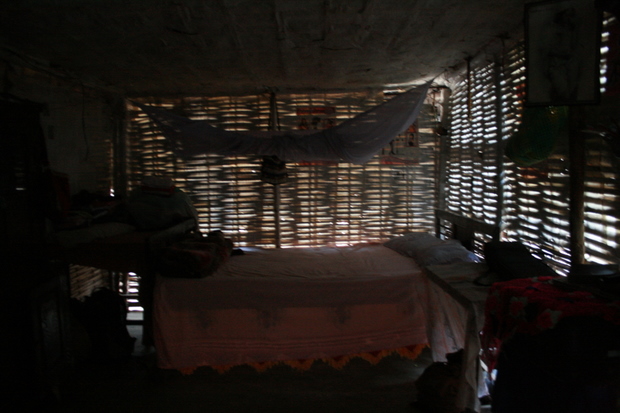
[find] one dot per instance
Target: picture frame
(562, 52)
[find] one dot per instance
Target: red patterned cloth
(533, 305)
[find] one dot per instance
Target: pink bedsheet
(290, 304)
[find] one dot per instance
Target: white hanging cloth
(355, 140)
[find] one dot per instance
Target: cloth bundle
(196, 256)
(273, 170)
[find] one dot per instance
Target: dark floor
(136, 385)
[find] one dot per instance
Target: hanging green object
(538, 134)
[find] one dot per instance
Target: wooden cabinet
(34, 293)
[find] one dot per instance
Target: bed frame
(269, 318)
(129, 252)
(470, 232)
(464, 301)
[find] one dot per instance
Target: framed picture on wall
(562, 52)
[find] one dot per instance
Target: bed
(125, 236)
(299, 305)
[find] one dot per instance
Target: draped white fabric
(355, 140)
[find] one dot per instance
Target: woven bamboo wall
(531, 203)
(321, 203)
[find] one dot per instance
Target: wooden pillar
(274, 125)
(500, 145)
(276, 190)
(577, 176)
(443, 140)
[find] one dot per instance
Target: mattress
(271, 305)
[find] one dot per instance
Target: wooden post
(443, 154)
(500, 145)
(577, 176)
(276, 206)
(273, 125)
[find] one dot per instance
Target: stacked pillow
(426, 249)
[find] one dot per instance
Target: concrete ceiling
(195, 47)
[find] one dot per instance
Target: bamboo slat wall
(530, 203)
(321, 203)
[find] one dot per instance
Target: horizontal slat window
(536, 198)
(533, 201)
(472, 188)
(602, 169)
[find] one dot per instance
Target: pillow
(409, 244)
(447, 252)
(426, 249)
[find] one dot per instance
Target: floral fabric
(533, 305)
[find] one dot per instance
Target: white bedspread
(290, 304)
